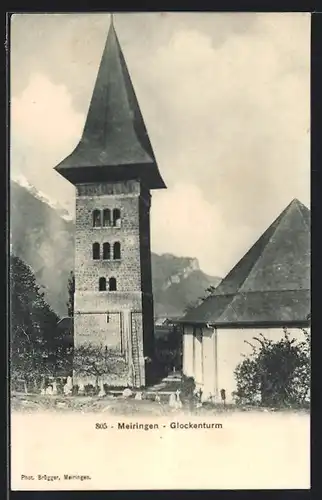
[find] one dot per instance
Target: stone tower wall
(146, 274)
(130, 307)
(127, 270)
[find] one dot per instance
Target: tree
(168, 350)
(276, 373)
(95, 361)
(32, 325)
(71, 294)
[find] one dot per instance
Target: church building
(266, 291)
(114, 169)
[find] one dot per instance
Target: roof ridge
(261, 252)
(272, 227)
(252, 289)
(277, 223)
(229, 306)
(299, 208)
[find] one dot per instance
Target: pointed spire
(115, 143)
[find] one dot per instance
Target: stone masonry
(114, 318)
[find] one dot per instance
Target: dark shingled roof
(271, 283)
(115, 144)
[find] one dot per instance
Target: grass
(120, 405)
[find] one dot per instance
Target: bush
(96, 361)
(168, 351)
(188, 386)
(276, 373)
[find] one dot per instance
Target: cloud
(67, 47)
(186, 224)
(226, 102)
(237, 116)
(44, 129)
(43, 115)
(237, 120)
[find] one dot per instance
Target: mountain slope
(42, 238)
(177, 282)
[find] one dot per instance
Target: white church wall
(232, 346)
(198, 368)
(188, 351)
(209, 386)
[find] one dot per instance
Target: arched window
(116, 217)
(112, 284)
(106, 251)
(96, 251)
(97, 218)
(116, 250)
(106, 217)
(102, 285)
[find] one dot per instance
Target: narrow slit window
(117, 250)
(106, 217)
(106, 251)
(97, 218)
(96, 251)
(112, 284)
(116, 217)
(102, 285)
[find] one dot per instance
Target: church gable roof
(114, 136)
(271, 283)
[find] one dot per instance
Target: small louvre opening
(112, 284)
(116, 217)
(97, 218)
(106, 251)
(117, 250)
(102, 285)
(96, 251)
(106, 217)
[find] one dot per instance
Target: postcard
(159, 251)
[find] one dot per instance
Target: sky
(226, 101)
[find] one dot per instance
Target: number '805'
(101, 426)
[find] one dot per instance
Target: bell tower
(113, 169)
